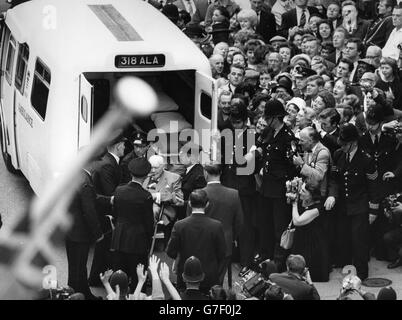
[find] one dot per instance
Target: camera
(293, 189)
(388, 203)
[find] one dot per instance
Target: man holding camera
(353, 183)
(296, 281)
(393, 238)
(314, 163)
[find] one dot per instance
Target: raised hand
(106, 276)
(164, 272)
(142, 276)
(153, 264)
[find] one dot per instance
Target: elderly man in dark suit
(296, 281)
(224, 206)
(297, 17)
(132, 235)
(106, 176)
(85, 230)
(200, 236)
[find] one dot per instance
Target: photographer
(296, 281)
(351, 289)
(310, 235)
(393, 238)
(314, 163)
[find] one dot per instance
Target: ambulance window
(40, 88)
(22, 63)
(206, 105)
(10, 59)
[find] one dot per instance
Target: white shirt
(299, 13)
(189, 168)
(278, 9)
(116, 157)
(390, 49)
(190, 6)
(352, 74)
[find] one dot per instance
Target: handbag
(287, 237)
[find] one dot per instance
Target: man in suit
(355, 26)
(266, 25)
(85, 230)
(380, 29)
(297, 17)
(314, 163)
(196, 8)
(132, 207)
(327, 126)
(338, 41)
(194, 176)
(296, 281)
(224, 206)
(165, 187)
(200, 236)
(334, 14)
(106, 176)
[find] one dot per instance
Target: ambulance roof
(86, 35)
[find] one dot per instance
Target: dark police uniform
(244, 183)
(274, 213)
(353, 184)
(133, 211)
(86, 229)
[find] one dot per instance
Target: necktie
(348, 158)
(303, 18)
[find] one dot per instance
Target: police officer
(132, 236)
(381, 147)
(275, 161)
(238, 173)
(140, 148)
(353, 182)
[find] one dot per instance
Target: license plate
(140, 61)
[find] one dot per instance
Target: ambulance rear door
(206, 114)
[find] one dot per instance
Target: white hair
(156, 160)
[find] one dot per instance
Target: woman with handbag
(309, 238)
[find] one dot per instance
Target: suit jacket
(201, 7)
(200, 236)
(106, 175)
(379, 31)
(316, 166)
(293, 285)
(134, 219)
(169, 185)
(224, 206)
(289, 19)
(361, 29)
(267, 26)
(192, 180)
(86, 225)
(330, 140)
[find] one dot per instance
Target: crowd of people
(317, 85)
